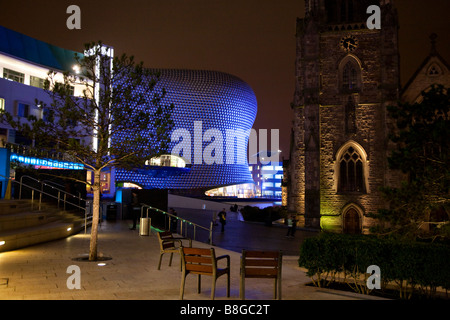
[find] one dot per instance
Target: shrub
(414, 267)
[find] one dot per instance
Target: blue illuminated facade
(204, 101)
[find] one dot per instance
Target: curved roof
(214, 100)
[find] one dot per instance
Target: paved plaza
(40, 272)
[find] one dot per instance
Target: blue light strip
(46, 162)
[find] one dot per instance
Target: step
(24, 237)
(13, 206)
(28, 219)
(17, 206)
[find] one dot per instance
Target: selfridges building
(213, 115)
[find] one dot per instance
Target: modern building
(214, 112)
(213, 115)
(267, 174)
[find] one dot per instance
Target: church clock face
(349, 43)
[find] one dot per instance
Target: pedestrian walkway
(41, 271)
(240, 235)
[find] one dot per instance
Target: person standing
(173, 220)
(134, 208)
(292, 223)
(222, 219)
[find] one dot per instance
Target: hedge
(412, 267)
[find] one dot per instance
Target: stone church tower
(346, 76)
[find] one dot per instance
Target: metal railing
(61, 197)
(182, 221)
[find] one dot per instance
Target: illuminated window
(37, 82)
(351, 172)
(167, 160)
(2, 104)
(13, 75)
(105, 182)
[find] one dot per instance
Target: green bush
(414, 267)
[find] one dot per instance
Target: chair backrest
(199, 260)
(164, 240)
(261, 264)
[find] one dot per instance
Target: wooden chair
(169, 244)
(203, 262)
(261, 264)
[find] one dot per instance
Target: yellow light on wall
(2, 243)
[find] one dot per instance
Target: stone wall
(320, 128)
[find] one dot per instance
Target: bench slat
(269, 272)
(261, 254)
(261, 263)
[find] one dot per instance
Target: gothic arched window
(351, 171)
(350, 77)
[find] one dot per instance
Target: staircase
(22, 224)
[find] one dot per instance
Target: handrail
(46, 184)
(195, 225)
(42, 192)
(60, 185)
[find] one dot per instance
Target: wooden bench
(261, 264)
(169, 244)
(203, 262)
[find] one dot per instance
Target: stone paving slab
(40, 272)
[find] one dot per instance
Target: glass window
(350, 77)
(13, 75)
(37, 82)
(351, 172)
(23, 110)
(2, 104)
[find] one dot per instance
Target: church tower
(346, 76)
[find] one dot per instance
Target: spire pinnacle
(433, 38)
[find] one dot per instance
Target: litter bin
(144, 226)
(111, 212)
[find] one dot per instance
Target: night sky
(252, 39)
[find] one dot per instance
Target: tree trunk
(95, 217)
